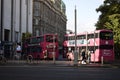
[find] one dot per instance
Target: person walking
(70, 56)
(45, 55)
(83, 56)
(18, 51)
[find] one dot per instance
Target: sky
(86, 14)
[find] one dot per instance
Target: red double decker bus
(36, 46)
(99, 43)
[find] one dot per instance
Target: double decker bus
(100, 43)
(37, 45)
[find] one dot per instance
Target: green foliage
(113, 23)
(110, 19)
(26, 35)
(110, 7)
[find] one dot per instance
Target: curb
(58, 64)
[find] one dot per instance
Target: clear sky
(86, 14)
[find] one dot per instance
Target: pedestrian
(1, 49)
(83, 56)
(18, 51)
(29, 58)
(80, 57)
(89, 56)
(70, 56)
(45, 54)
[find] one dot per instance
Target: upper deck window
(51, 38)
(106, 35)
(69, 37)
(81, 37)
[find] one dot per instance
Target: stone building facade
(15, 19)
(34, 16)
(49, 17)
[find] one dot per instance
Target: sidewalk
(58, 63)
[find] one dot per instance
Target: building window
(37, 32)
(36, 9)
(16, 36)
(6, 35)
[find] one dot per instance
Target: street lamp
(54, 46)
(87, 44)
(1, 21)
(75, 53)
(94, 47)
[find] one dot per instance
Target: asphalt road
(27, 72)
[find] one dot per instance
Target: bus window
(40, 39)
(96, 35)
(106, 35)
(27, 41)
(106, 46)
(66, 37)
(71, 38)
(38, 49)
(81, 37)
(90, 36)
(51, 38)
(33, 40)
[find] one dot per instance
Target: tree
(110, 19)
(26, 35)
(109, 8)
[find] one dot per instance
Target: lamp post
(54, 46)
(94, 47)
(1, 21)
(87, 44)
(75, 52)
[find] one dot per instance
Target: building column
(1, 20)
(13, 19)
(20, 26)
(27, 7)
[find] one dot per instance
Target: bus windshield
(106, 35)
(51, 38)
(33, 40)
(40, 39)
